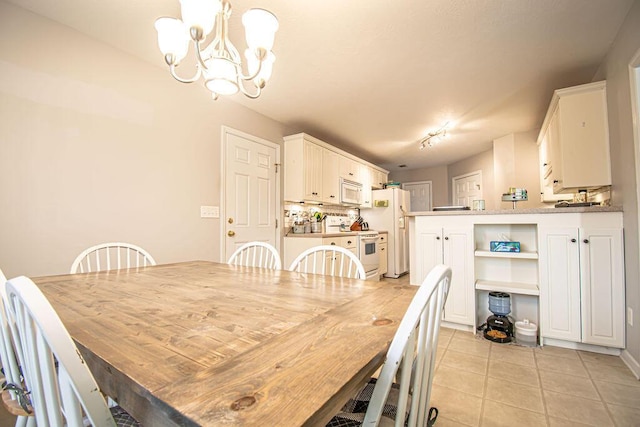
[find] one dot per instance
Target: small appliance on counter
(499, 327)
(515, 195)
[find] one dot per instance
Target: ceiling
(373, 77)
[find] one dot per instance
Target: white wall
(515, 164)
(615, 69)
(96, 145)
(438, 177)
(482, 162)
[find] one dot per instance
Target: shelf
(508, 287)
(521, 255)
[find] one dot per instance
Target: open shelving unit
(515, 273)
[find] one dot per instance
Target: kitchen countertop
(322, 235)
(588, 209)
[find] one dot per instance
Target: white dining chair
(256, 254)
(329, 260)
(62, 390)
(108, 256)
(410, 359)
(13, 395)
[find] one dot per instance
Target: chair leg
(433, 415)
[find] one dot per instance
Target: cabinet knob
(348, 242)
(446, 238)
(585, 241)
(545, 164)
(573, 240)
(332, 197)
(437, 237)
(333, 243)
(555, 181)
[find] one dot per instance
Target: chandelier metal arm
(250, 95)
(172, 68)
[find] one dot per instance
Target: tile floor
(479, 383)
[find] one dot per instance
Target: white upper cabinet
(349, 169)
(365, 177)
(313, 168)
(574, 140)
(330, 176)
(303, 170)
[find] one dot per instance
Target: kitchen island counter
(587, 209)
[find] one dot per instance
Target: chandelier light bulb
(200, 14)
(260, 27)
(219, 62)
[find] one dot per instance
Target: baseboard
(581, 346)
(631, 363)
(457, 326)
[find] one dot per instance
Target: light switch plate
(209, 212)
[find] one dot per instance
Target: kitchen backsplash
(295, 211)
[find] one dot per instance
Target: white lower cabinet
(582, 285)
(453, 247)
(569, 274)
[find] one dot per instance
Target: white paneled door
(250, 191)
(420, 193)
(467, 188)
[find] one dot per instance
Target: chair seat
(352, 413)
(122, 417)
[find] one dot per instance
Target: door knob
(231, 233)
(230, 220)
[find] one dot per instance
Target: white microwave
(350, 192)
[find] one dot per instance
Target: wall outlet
(630, 316)
(209, 212)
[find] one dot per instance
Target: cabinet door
(427, 254)
(349, 169)
(366, 177)
(312, 171)
(559, 284)
(602, 286)
(330, 176)
(458, 254)
(383, 259)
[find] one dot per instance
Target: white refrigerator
(390, 207)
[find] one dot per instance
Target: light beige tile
(514, 373)
(499, 415)
(512, 355)
(605, 359)
(625, 416)
(559, 422)
(455, 406)
(445, 422)
(549, 350)
(518, 395)
(513, 346)
(568, 384)
(614, 374)
(464, 335)
(577, 409)
(465, 362)
(619, 394)
(470, 346)
(561, 365)
(455, 379)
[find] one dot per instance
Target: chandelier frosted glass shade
(219, 62)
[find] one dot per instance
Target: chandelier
(219, 62)
(434, 137)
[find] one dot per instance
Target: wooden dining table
(207, 344)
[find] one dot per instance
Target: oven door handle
(369, 239)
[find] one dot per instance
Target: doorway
(420, 195)
(466, 188)
(250, 191)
